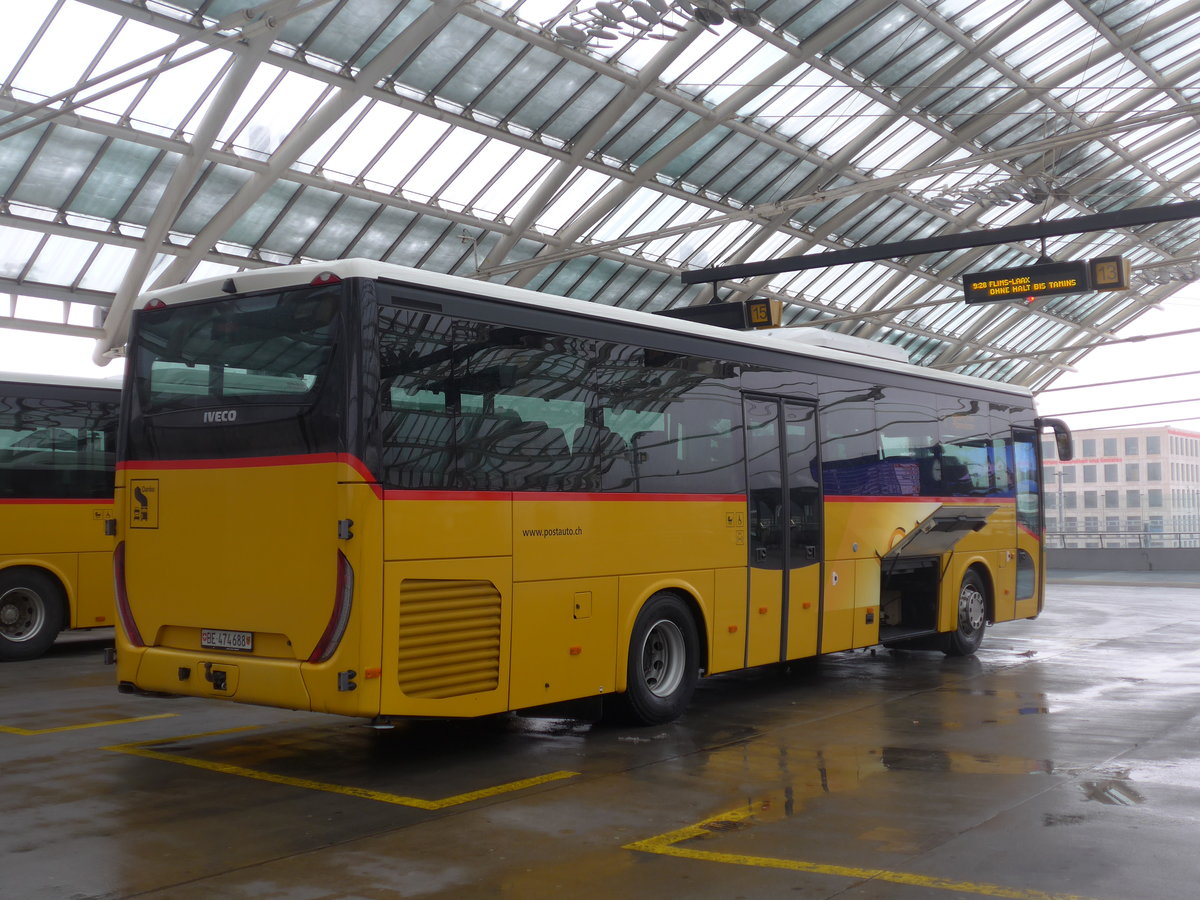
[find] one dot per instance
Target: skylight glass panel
(1058, 27)
(690, 60)
(511, 191)
(448, 171)
(19, 246)
(107, 270)
(60, 260)
(897, 148)
(837, 116)
(21, 23)
(418, 139)
(629, 217)
(716, 80)
(287, 102)
(583, 187)
(350, 152)
(693, 249)
(780, 109)
(48, 70)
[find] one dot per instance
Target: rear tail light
(326, 278)
(124, 613)
(343, 595)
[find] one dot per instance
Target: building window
(1112, 472)
(1132, 472)
(1090, 499)
(1089, 474)
(1155, 497)
(1153, 445)
(1112, 499)
(1154, 471)
(1131, 446)
(1089, 447)
(1068, 474)
(1110, 446)
(1133, 499)
(1069, 500)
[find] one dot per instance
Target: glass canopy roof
(600, 149)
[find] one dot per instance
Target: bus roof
(814, 343)
(112, 383)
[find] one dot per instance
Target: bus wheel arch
(33, 610)
(974, 609)
(665, 654)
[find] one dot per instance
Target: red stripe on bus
(447, 495)
(562, 496)
(910, 498)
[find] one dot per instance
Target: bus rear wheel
(972, 617)
(664, 661)
(31, 608)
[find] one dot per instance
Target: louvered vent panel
(449, 638)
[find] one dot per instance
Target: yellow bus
(57, 459)
(364, 489)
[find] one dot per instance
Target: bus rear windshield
(233, 373)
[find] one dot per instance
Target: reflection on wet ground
(1061, 762)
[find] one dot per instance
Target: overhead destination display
(1107, 273)
(743, 315)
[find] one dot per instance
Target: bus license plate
(216, 639)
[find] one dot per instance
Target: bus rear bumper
(243, 679)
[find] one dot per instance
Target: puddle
(1111, 793)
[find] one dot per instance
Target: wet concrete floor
(1061, 762)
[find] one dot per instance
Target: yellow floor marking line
(30, 732)
(142, 748)
(668, 845)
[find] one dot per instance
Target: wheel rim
(22, 614)
(664, 658)
(971, 608)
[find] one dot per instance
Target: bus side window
(681, 417)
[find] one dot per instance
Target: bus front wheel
(31, 609)
(972, 617)
(664, 661)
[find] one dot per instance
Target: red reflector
(155, 304)
(124, 613)
(326, 278)
(340, 618)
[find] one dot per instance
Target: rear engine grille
(449, 638)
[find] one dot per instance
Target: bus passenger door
(783, 613)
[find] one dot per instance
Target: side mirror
(1062, 437)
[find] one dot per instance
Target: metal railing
(1061, 540)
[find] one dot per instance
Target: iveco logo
(221, 415)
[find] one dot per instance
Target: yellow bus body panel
(446, 636)
(727, 641)
(470, 604)
(251, 548)
(67, 540)
(564, 640)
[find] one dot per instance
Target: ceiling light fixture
(663, 20)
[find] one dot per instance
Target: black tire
(31, 613)
(972, 617)
(664, 661)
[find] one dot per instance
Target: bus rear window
(272, 347)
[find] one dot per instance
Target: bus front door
(784, 609)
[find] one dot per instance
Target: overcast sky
(50, 354)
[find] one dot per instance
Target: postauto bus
(57, 459)
(364, 489)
